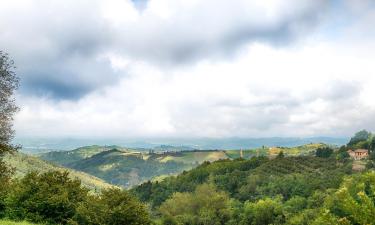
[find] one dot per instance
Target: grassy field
(8, 222)
(194, 157)
(25, 163)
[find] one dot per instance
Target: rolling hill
(129, 167)
(23, 164)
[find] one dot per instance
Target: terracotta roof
(361, 150)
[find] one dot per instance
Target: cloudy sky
(192, 68)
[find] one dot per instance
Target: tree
(361, 136)
(280, 155)
(112, 207)
(263, 212)
(206, 205)
(8, 84)
(324, 152)
(50, 197)
(354, 200)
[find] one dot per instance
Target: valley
(127, 167)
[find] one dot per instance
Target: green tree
(50, 197)
(263, 212)
(281, 154)
(342, 153)
(361, 136)
(112, 207)
(354, 200)
(205, 206)
(8, 84)
(324, 152)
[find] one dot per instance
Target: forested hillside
(128, 167)
(24, 164)
(320, 189)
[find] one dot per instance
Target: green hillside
(237, 176)
(127, 168)
(64, 158)
(25, 163)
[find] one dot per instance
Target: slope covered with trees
(22, 164)
(321, 189)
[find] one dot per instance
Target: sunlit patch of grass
(8, 222)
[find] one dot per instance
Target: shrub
(50, 197)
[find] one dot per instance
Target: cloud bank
(156, 68)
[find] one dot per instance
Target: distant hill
(25, 163)
(65, 158)
(42, 145)
(128, 167)
(120, 166)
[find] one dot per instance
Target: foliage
(206, 205)
(263, 212)
(112, 207)
(362, 139)
(50, 197)
(354, 201)
(226, 174)
(9, 222)
(54, 198)
(325, 152)
(8, 84)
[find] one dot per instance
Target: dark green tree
(50, 197)
(280, 155)
(361, 136)
(324, 152)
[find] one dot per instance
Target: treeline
(352, 202)
(54, 198)
(260, 191)
(318, 190)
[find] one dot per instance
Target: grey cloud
(272, 111)
(214, 31)
(45, 39)
(56, 49)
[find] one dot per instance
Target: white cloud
(211, 68)
(303, 91)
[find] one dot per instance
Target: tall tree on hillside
(8, 84)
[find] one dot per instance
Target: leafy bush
(112, 207)
(324, 152)
(50, 197)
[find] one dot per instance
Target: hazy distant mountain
(38, 145)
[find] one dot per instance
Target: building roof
(359, 150)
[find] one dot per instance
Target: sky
(190, 68)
